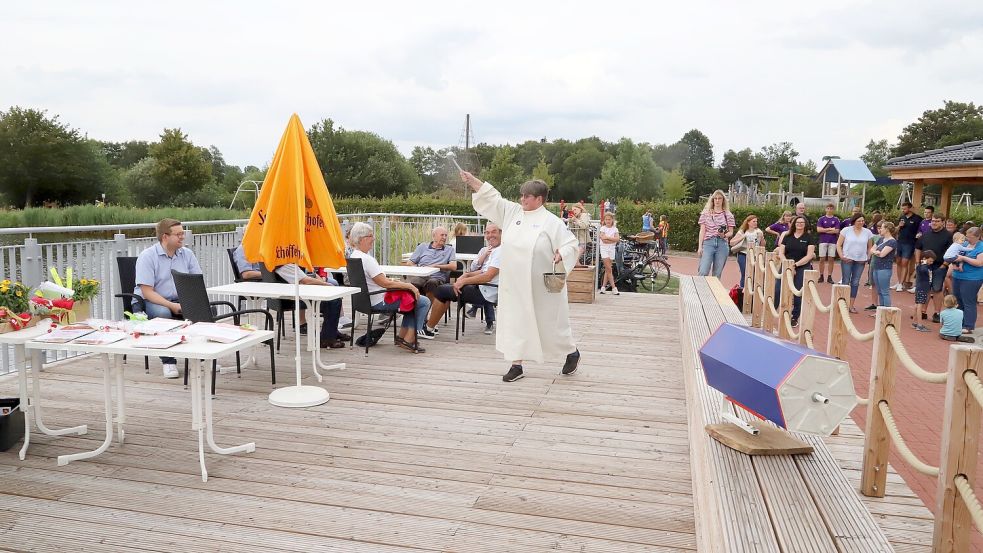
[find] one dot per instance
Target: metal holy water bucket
(555, 281)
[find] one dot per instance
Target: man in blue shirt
(436, 253)
(247, 270)
(154, 282)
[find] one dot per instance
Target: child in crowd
(952, 321)
(923, 283)
(957, 248)
(663, 234)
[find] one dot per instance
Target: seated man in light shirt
(247, 270)
(437, 253)
(330, 310)
(468, 287)
(154, 282)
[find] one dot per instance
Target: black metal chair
(461, 305)
(469, 244)
(362, 301)
(278, 305)
(238, 275)
(127, 268)
(196, 307)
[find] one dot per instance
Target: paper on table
(103, 323)
(101, 337)
(218, 332)
(64, 334)
(156, 326)
(160, 341)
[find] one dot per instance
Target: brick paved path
(917, 406)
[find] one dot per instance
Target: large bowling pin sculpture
(797, 388)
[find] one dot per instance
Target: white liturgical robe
(533, 324)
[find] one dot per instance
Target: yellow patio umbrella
(294, 221)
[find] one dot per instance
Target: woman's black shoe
(570, 366)
(515, 373)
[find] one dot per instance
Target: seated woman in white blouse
(361, 237)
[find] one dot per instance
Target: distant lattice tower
(466, 157)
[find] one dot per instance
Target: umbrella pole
(299, 395)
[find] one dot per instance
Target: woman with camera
(716, 228)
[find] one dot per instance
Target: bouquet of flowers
(57, 310)
(85, 289)
(14, 306)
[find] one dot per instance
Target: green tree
(876, 157)
(45, 160)
(542, 172)
(180, 169)
(954, 123)
(359, 163)
(141, 185)
(676, 189)
(505, 173)
(698, 165)
(671, 156)
(576, 178)
(428, 165)
(780, 157)
(631, 175)
(123, 155)
(744, 162)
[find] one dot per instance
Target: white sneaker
(912, 289)
(344, 322)
(170, 370)
(490, 329)
(899, 287)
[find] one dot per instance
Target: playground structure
(844, 185)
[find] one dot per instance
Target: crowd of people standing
(927, 255)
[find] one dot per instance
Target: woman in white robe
(533, 324)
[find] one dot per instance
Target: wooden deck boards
(413, 453)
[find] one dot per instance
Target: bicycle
(640, 264)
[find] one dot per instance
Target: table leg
(248, 448)
(117, 362)
(35, 404)
(316, 308)
(195, 367)
(25, 401)
(108, 390)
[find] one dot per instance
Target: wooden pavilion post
(917, 193)
(946, 200)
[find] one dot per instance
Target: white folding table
(196, 349)
(313, 294)
(30, 398)
(396, 270)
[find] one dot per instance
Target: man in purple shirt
(926, 224)
(853, 215)
(828, 228)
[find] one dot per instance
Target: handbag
(556, 280)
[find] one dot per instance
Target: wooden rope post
(767, 321)
(837, 335)
(877, 440)
(748, 283)
(808, 316)
(960, 437)
(785, 300)
(759, 279)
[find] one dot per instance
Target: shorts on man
(906, 250)
(827, 249)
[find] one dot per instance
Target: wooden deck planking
(430, 452)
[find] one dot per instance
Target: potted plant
(14, 306)
(85, 290)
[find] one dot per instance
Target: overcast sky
(827, 76)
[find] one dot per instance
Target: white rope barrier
(808, 338)
(774, 271)
(790, 282)
(863, 401)
(921, 374)
(974, 385)
(815, 298)
(848, 323)
(906, 454)
(788, 326)
(969, 498)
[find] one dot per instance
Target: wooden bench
(780, 504)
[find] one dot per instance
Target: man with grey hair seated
(436, 253)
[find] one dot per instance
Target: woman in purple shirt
(780, 227)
